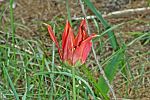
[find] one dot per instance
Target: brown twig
(118, 14)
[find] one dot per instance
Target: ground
(29, 16)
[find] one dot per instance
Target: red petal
(87, 49)
(51, 33)
(65, 34)
(83, 50)
(81, 34)
(67, 45)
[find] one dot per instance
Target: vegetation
(117, 67)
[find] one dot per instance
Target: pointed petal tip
(45, 24)
(67, 22)
(53, 37)
(94, 35)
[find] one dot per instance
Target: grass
(30, 70)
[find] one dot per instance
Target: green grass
(29, 70)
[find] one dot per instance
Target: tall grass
(30, 70)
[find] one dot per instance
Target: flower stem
(73, 79)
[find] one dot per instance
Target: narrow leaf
(11, 83)
(110, 71)
(111, 35)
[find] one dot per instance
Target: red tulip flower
(74, 49)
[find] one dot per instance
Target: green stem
(12, 21)
(73, 79)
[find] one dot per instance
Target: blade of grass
(74, 80)
(67, 93)
(93, 81)
(106, 31)
(126, 68)
(53, 66)
(97, 62)
(138, 38)
(111, 35)
(110, 70)
(68, 12)
(69, 75)
(25, 77)
(10, 82)
(12, 21)
(2, 13)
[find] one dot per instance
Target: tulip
(74, 49)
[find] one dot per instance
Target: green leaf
(10, 82)
(111, 35)
(94, 83)
(68, 12)
(110, 71)
(70, 75)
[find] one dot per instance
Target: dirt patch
(32, 13)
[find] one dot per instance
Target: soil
(31, 14)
